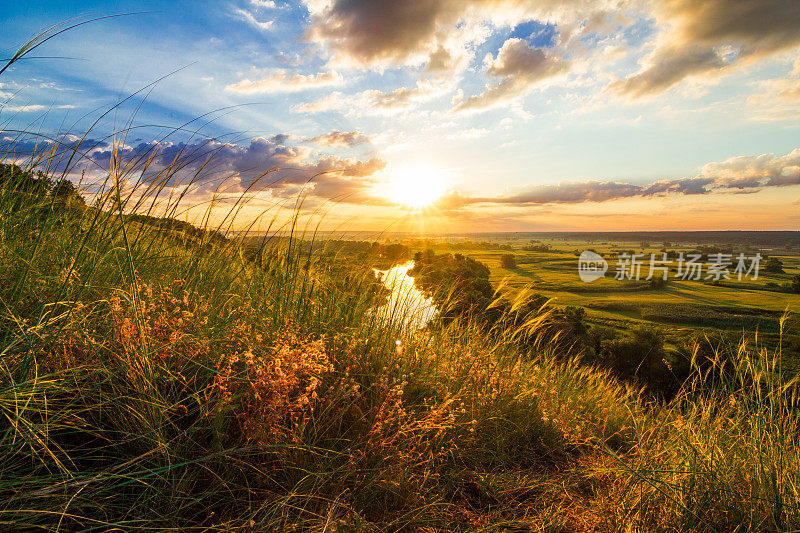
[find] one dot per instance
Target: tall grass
(724, 454)
(152, 378)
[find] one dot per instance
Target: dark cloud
(760, 27)
(708, 36)
(669, 65)
(688, 186)
(55, 155)
(440, 60)
(380, 32)
(520, 67)
(207, 164)
(340, 138)
(282, 138)
(571, 193)
(367, 31)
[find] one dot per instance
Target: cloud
(15, 146)
(375, 102)
(282, 138)
(775, 100)
(367, 32)
(743, 174)
(214, 160)
(374, 33)
(281, 81)
(250, 19)
(571, 193)
(471, 133)
(440, 60)
(669, 65)
(521, 67)
(340, 138)
(400, 97)
(32, 108)
(765, 170)
(206, 164)
(709, 36)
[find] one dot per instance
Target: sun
(417, 187)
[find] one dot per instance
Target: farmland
(548, 265)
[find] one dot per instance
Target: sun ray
(417, 187)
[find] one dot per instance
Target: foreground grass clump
(153, 379)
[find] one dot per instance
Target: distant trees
(179, 226)
(457, 283)
(794, 285)
(538, 248)
(395, 252)
(773, 266)
(508, 261)
(30, 187)
(658, 282)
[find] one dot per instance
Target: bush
(794, 285)
(774, 266)
(508, 261)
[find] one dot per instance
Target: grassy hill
(149, 382)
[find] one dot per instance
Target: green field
(682, 306)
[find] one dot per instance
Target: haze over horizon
(436, 115)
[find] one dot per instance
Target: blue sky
(549, 114)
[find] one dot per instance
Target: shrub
(508, 261)
(773, 266)
(794, 285)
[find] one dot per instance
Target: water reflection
(406, 304)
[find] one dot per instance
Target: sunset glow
(503, 116)
(417, 187)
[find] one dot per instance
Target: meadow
(158, 377)
(681, 306)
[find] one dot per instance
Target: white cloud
(33, 107)
(250, 19)
(375, 102)
(340, 138)
(472, 133)
(282, 81)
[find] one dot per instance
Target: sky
(429, 115)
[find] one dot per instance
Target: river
(406, 303)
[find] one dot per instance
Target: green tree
(794, 285)
(773, 266)
(508, 261)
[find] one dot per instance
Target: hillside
(151, 384)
